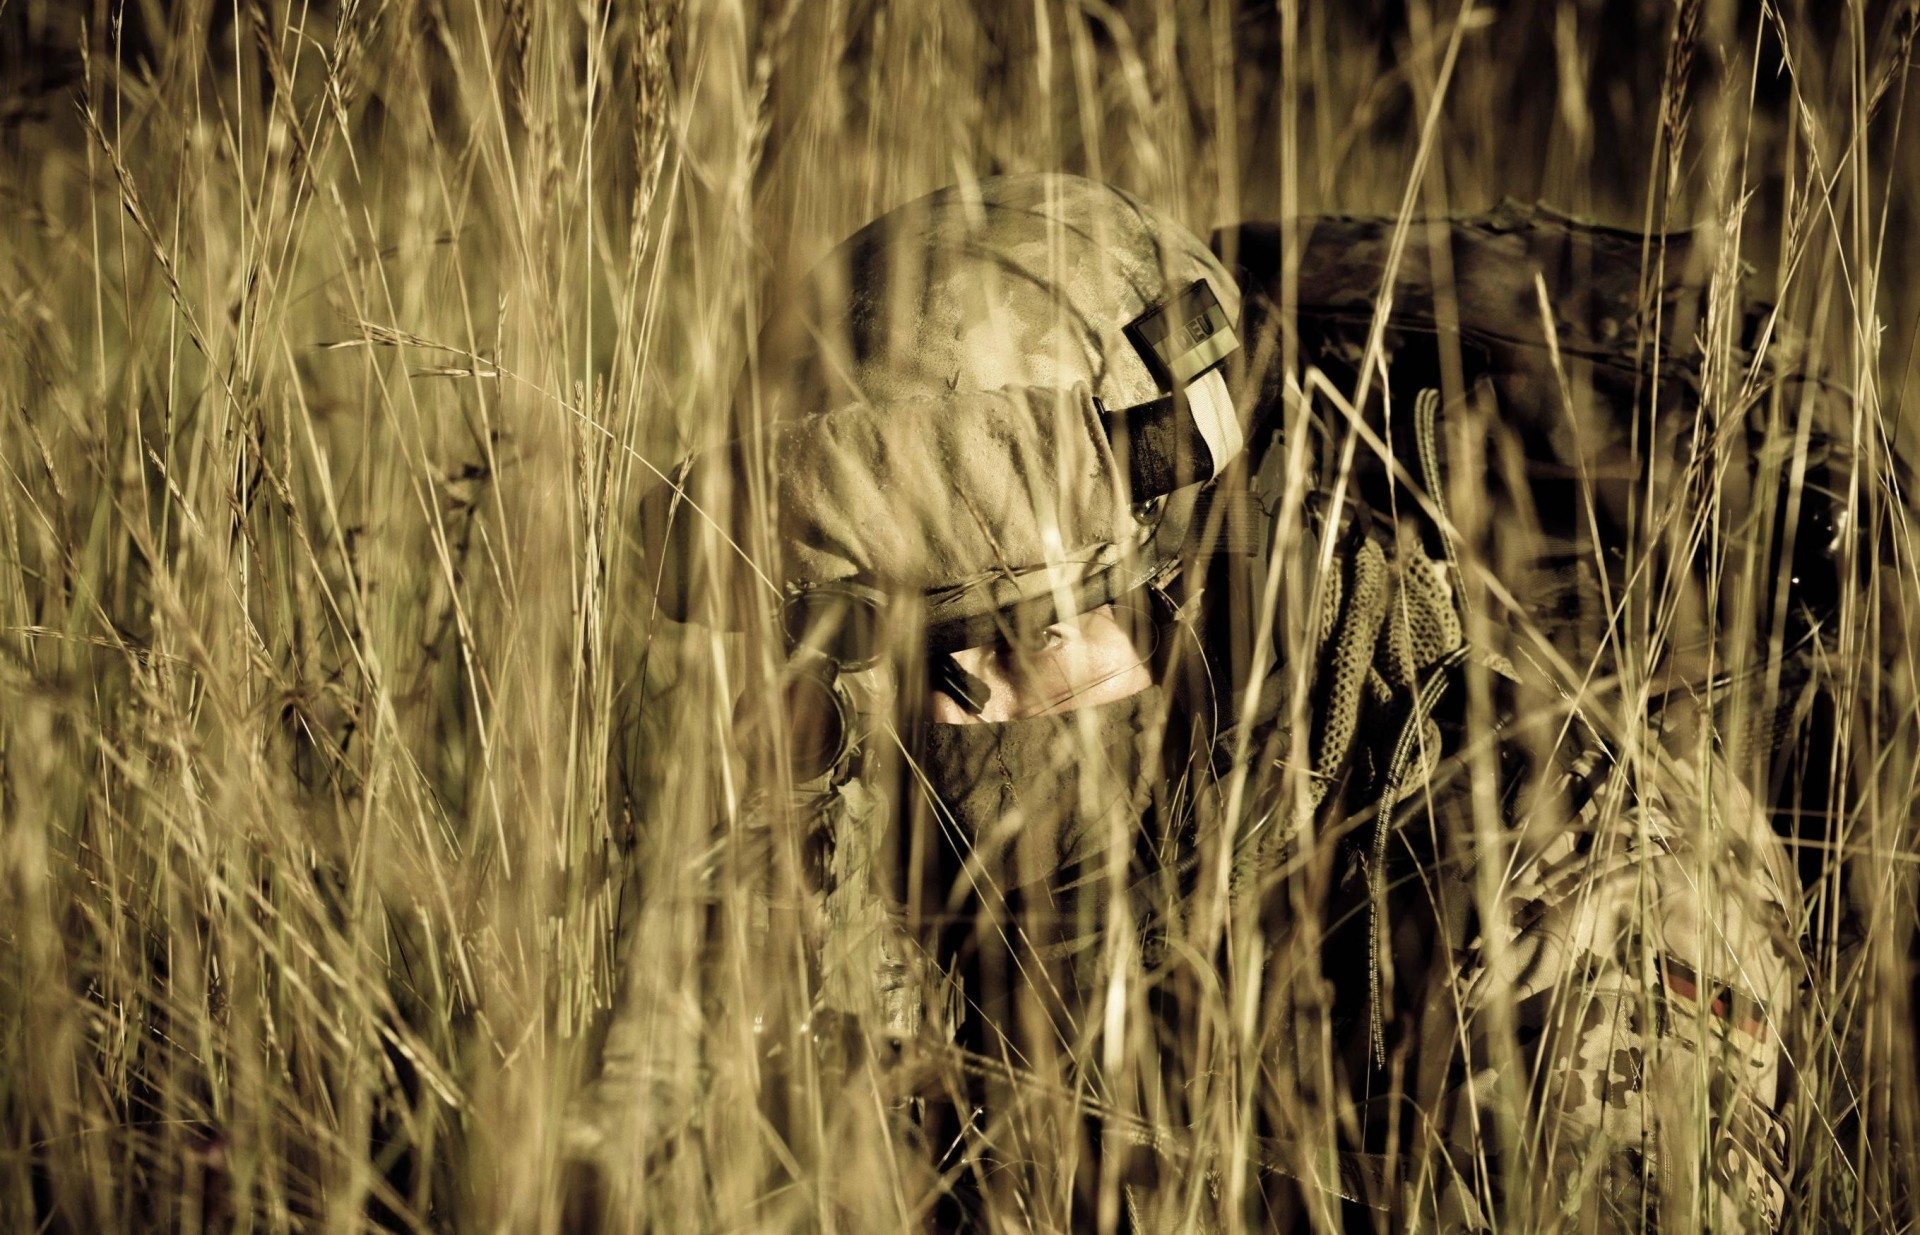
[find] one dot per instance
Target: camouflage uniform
(1593, 988)
(1582, 941)
(1594, 966)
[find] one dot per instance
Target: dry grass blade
(375, 854)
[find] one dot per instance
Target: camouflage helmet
(1000, 398)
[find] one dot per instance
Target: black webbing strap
(1162, 444)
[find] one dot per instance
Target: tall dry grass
(349, 783)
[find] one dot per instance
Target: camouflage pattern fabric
(1590, 972)
(1604, 1049)
(1593, 968)
(1643, 967)
(925, 379)
(945, 494)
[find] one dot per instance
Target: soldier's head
(979, 428)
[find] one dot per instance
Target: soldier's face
(1086, 661)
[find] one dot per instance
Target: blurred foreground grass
(341, 759)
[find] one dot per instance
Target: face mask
(1037, 822)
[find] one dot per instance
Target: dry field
(349, 784)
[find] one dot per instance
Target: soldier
(1159, 765)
